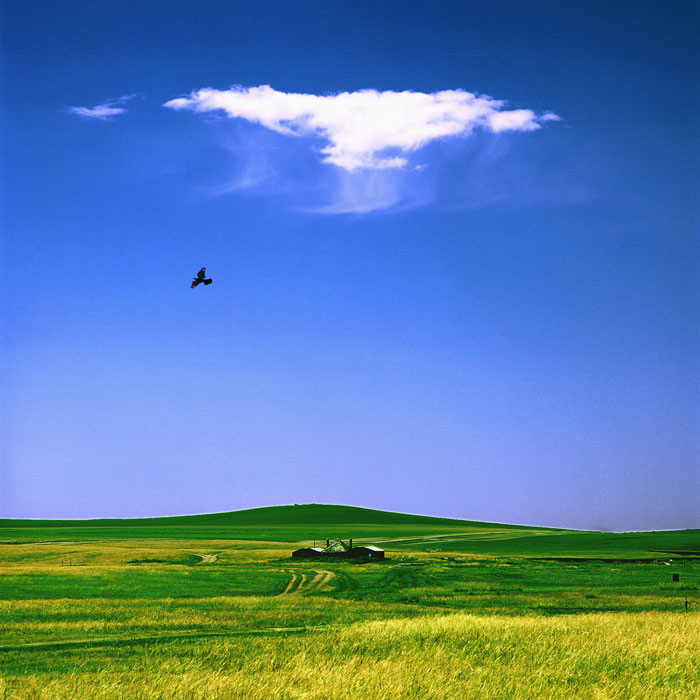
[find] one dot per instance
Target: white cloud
(104, 111)
(366, 129)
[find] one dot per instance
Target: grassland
(460, 609)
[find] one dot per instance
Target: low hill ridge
(316, 513)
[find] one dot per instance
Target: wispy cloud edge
(105, 111)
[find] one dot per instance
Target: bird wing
(195, 283)
(207, 281)
(200, 274)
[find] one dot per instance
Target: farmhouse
(338, 549)
(368, 551)
(307, 552)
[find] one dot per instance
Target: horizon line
(347, 505)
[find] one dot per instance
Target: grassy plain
(459, 610)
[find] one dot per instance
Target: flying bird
(200, 278)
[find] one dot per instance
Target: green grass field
(213, 606)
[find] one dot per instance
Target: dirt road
(302, 584)
(207, 558)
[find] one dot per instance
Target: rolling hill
(316, 522)
(309, 513)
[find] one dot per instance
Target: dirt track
(207, 558)
(301, 583)
(468, 537)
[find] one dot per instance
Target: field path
(118, 640)
(471, 536)
(301, 585)
(320, 581)
(207, 558)
(290, 586)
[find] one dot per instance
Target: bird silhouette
(200, 278)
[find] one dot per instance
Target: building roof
(337, 545)
(310, 549)
(369, 546)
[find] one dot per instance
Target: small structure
(307, 552)
(368, 551)
(337, 549)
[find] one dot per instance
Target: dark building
(307, 552)
(368, 551)
(337, 549)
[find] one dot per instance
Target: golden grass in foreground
(631, 656)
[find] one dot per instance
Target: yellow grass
(56, 621)
(615, 656)
(49, 555)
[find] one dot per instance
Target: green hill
(399, 531)
(309, 513)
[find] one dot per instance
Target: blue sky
(454, 249)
